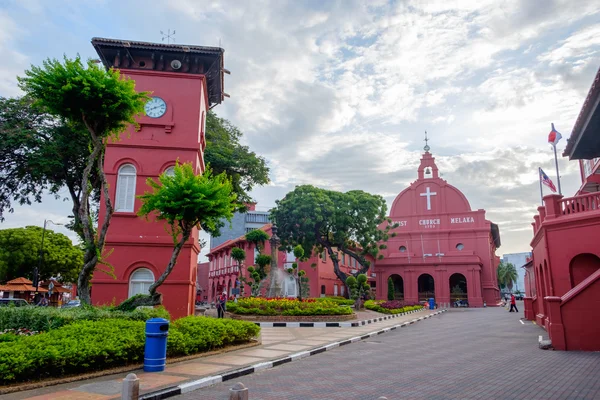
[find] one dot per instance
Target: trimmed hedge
(340, 301)
(262, 306)
(376, 306)
(48, 318)
(85, 346)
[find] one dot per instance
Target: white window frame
(133, 280)
(127, 205)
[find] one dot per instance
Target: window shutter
(125, 196)
(130, 192)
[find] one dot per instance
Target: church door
(458, 290)
(426, 287)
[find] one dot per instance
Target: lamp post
(36, 271)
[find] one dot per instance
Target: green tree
(224, 153)
(20, 249)
(354, 223)
(239, 256)
(390, 289)
(358, 287)
(507, 275)
(99, 104)
(258, 238)
(184, 201)
(41, 153)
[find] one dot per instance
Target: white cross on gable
(428, 194)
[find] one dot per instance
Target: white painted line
(320, 325)
(332, 345)
(261, 366)
(355, 339)
(293, 325)
(200, 383)
(300, 355)
(540, 338)
(521, 321)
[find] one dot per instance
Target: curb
(330, 324)
(212, 380)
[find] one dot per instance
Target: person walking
(513, 303)
(221, 305)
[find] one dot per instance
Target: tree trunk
(336, 264)
(185, 235)
(86, 224)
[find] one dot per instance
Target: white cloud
(338, 94)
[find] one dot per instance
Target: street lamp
(36, 271)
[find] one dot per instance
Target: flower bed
(391, 307)
(85, 346)
(287, 307)
(47, 318)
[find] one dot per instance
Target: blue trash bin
(431, 303)
(155, 350)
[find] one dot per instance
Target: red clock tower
(184, 82)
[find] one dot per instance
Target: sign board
(235, 291)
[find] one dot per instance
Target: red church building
(184, 82)
(563, 293)
(443, 248)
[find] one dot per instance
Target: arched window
(170, 171)
(140, 281)
(125, 188)
(402, 249)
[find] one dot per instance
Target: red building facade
(443, 248)
(184, 82)
(223, 272)
(564, 296)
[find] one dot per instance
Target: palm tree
(507, 275)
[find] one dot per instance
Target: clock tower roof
(177, 58)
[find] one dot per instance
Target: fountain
(280, 282)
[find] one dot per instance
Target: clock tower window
(125, 189)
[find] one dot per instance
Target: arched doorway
(582, 266)
(398, 286)
(426, 287)
(458, 290)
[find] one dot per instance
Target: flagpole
(557, 174)
(541, 190)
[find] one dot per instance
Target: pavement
(485, 353)
(276, 343)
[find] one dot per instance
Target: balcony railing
(579, 204)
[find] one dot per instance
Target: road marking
(521, 321)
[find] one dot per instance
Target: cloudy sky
(339, 93)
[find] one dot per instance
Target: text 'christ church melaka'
(443, 249)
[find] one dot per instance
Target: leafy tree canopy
(319, 219)
(507, 275)
(19, 251)
(225, 153)
(98, 104)
(184, 201)
(39, 152)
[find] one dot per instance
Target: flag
(554, 136)
(547, 181)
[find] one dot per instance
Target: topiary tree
(358, 287)
(390, 291)
(95, 102)
(239, 256)
(254, 281)
(257, 237)
(184, 201)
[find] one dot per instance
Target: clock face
(155, 107)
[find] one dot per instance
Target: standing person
(222, 304)
(513, 303)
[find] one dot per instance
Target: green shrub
(281, 306)
(340, 301)
(375, 306)
(48, 318)
(85, 346)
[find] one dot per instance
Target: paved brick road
(462, 354)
